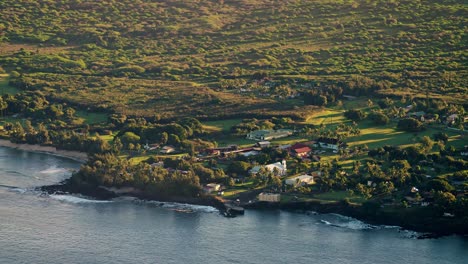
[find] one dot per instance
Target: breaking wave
(342, 221)
(74, 199)
(53, 170)
(182, 207)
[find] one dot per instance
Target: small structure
(300, 150)
(151, 147)
(157, 164)
(263, 135)
(167, 149)
(263, 144)
(269, 197)
(212, 152)
(417, 115)
(212, 187)
(279, 168)
(329, 143)
(249, 153)
(451, 119)
(300, 180)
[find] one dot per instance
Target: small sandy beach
(75, 155)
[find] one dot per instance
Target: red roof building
(300, 150)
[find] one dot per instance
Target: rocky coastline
(430, 226)
(104, 193)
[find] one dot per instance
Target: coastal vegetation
(161, 95)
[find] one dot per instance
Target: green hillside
(205, 58)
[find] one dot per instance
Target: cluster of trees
(322, 96)
(248, 125)
(112, 171)
(62, 139)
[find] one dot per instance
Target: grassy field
(327, 117)
(339, 196)
(221, 125)
(176, 58)
(91, 117)
(5, 88)
(378, 136)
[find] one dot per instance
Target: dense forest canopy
(139, 57)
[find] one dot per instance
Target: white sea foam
(75, 199)
(347, 222)
(19, 190)
(53, 170)
(410, 234)
(184, 207)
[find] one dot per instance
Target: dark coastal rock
(431, 226)
(84, 189)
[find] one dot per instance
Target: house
(249, 153)
(211, 187)
(264, 135)
(316, 173)
(300, 180)
(167, 149)
(151, 146)
(417, 115)
(464, 152)
(300, 150)
(451, 119)
(408, 108)
(269, 197)
(263, 144)
(278, 167)
(212, 152)
(329, 143)
(157, 164)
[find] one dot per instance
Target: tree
(117, 145)
(355, 115)
(379, 118)
(3, 106)
(439, 185)
(238, 167)
(410, 125)
(129, 138)
(444, 200)
(426, 144)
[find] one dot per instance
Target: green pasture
(339, 196)
(5, 88)
(91, 117)
(221, 125)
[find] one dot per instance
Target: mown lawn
(378, 136)
(339, 196)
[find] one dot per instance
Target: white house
(212, 187)
(279, 167)
(269, 197)
(330, 143)
(300, 180)
(167, 149)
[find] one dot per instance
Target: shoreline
(101, 193)
(50, 150)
